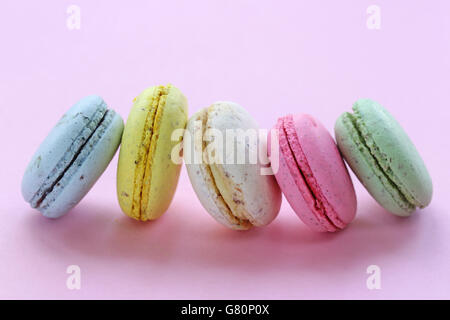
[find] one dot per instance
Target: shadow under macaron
(187, 237)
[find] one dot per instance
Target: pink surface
(273, 58)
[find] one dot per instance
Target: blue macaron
(72, 157)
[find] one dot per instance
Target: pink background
(272, 57)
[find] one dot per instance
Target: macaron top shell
(312, 175)
(328, 174)
(146, 175)
(235, 194)
(384, 158)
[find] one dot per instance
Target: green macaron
(383, 158)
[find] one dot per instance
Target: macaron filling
(143, 173)
(371, 153)
(73, 158)
(304, 178)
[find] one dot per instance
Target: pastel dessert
(383, 158)
(72, 157)
(235, 193)
(312, 174)
(146, 175)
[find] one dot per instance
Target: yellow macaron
(147, 175)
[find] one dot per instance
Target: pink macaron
(311, 173)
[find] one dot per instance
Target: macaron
(147, 175)
(72, 157)
(234, 192)
(311, 173)
(383, 157)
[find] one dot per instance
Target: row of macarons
(310, 171)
